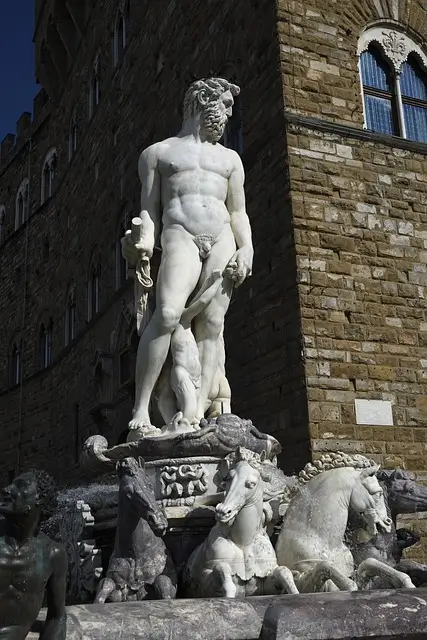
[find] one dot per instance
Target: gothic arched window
(393, 71)
(49, 175)
(16, 363)
(121, 263)
(22, 203)
(233, 134)
(45, 344)
(95, 86)
(93, 290)
(72, 136)
(2, 223)
(70, 315)
(121, 30)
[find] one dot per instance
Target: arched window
(2, 223)
(93, 290)
(72, 135)
(393, 71)
(121, 263)
(413, 87)
(120, 32)
(70, 315)
(95, 86)
(49, 175)
(233, 134)
(16, 363)
(45, 344)
(22, 203)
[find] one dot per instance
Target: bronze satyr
(30, 563)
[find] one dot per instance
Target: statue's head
(33, 492)
(213, 99)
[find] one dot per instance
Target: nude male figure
(30, 563)
(192, 191)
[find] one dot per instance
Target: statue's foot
(140, 428)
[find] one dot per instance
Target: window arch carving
(49, 175)
(22, 203)
(393, 72)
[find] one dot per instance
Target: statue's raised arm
(192, 195)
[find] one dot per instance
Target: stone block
(377, 615)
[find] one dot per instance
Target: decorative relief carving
(396, 45)
(183, 481)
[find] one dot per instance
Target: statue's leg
(219, 400)
(210, 323)
(372, 567)
(314, 580)
(104, 590)
(164, 588)
(178, 276)
(280, 580)
(415, 570)
(221, 582)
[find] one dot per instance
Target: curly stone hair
(47, 491)
(210, 88)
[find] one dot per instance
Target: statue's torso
(194, 185)
(23, 576)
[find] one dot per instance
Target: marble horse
(237, 558)
(311, 541)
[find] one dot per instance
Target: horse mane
(326, 462)
(333, 460)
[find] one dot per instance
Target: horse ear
(263, 456)
(141, 462)
(369, 471)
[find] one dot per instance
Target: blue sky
(17, 80)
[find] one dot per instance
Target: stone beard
(213, 121)
(193, 189)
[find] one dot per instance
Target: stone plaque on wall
(373, 412)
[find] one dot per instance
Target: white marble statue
(311, 540)
(192, 196)
(237, 558)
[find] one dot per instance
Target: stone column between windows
(400, 115)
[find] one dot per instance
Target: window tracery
(393, 71)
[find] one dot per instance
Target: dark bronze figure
(30, 563)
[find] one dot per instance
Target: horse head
(367, 500)
(404, 495)
(138, 490)
(243, 482)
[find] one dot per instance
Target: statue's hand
(133, 252)
(240, 266)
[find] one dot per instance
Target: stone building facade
(335, 311)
